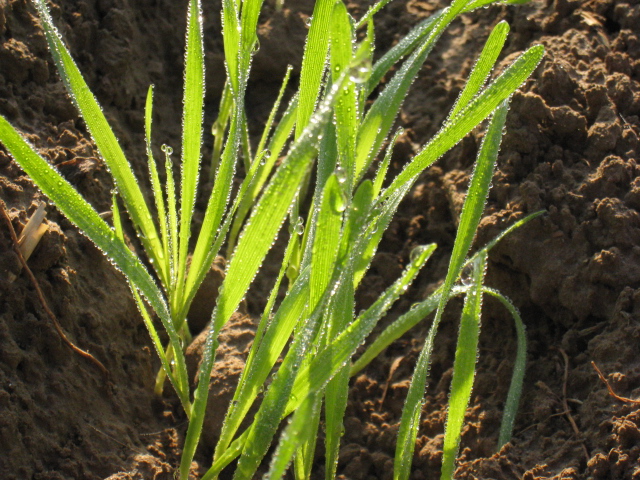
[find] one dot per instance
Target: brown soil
(570, 148)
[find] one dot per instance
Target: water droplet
(465, 275)
(308, 21)
(166, 149)
(416, 252)
(256, 47)
(360, 73)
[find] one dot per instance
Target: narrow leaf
(476, 111)
(483, 66)
(380, 117)
(156, 187)
(291, 439)
(193, 106)
(469, 219)
(331, 359)
(253, 245)
(464, 368)
(517, 378)
(346, 109)
(313, 62)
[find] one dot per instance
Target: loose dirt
(571, 149)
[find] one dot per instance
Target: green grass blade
(362, 66)
(104, 138)
(404, 47)
(315, 374)
(476, 196)
(267, 352)
(172, 206)
(267, 314)
(472, 5)
(378, 219)
(148, 322)
(517, 378)
(356, 217)
(346, 109)
(313, 62)
(412, 409)
(247, 188)
(326, 239)
(231, 40)
(249, 20)
(229, 455)
(80, 213)
(117, 222)
(240, 42)
(270, 212)
(325, 252)
(422, 309)
(265, 221)
(336, 395)
(380, 117)
(203, 254)
(520, 223)
(246, 143)
(483, 66)
(340, 315)
(469, 219)
(156, 186)
(384, 165)
(193, 103)
(306, 439)
(276, 144)
(327, 166)
(172, 250)
(291, 438)
(328, 362)
(398, 328)
(274, 110)
(464, 368)
(219, 128)
(476, 111)
(272, 408)
(239, 21)
(375, 8)
(253, 245)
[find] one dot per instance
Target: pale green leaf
(193, 102)
(313, 62)
(464, 368)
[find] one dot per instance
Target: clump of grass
(330, 127)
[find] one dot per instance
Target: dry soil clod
(43, 301)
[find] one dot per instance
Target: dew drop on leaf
(416, 252)
(465, 275)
